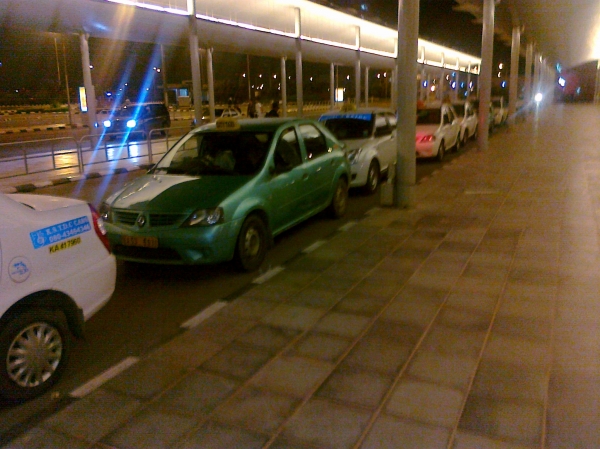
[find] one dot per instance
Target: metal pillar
(597, 87)
(299, 87)
(163, 72)
(211, 83)
(457, 81)
(406, 98)
(357, 70)
(528, 62)
(442, 87)
(90, 93)
(513, 87)
(536, 73)
(283, 88)
(394, 98)
(331, 86)
(367, 86)
(485, 74)
(248, 75)
(469, 79)
(195, 63)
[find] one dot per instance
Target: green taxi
(225, 189)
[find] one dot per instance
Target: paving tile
(40, 438)
(238, 361)
(293, 376)
(310, 263)
(293, 317)
(221, 329)
(268, 337)
(451, 370)
(417, 313)
(517, 351)
(399, 333)
(498, 380)
(533, 309)
(249, 308)
(360, 304)
(467, 440)
(450, 341)
(196, 395)
(521, 327)
(94, 416)
(518, 421)
(151, 429)
(477, 270)
(531, 292)
(379, 354)
(326, 425)
(318, 298)
(342, 324)
(320, 346)
(217, 436)
(468, 320)
(391, 432)
(426, 402)
(356, 387)
(258, 410)
(440, 281)
(187, 351)
(480, 286)
(375, 288)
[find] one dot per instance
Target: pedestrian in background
(251, 110)
(274, 112)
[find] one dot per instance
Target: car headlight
(131, 123)
(104, 212)
(353, 154)
(107, 123)
(205, 217)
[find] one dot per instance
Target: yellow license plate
(144, 242)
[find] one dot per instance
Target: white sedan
(468, 121)
(56, 272)
(438, 129)
(369, 136)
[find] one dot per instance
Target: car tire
(475, 133)
(33, 337)
(441, 151)
(251, 247)
(373, 177)
(339, 201)
(465, 138)
(458, 144)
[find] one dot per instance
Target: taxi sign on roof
(227, 124)
(358, 116)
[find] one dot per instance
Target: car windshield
(359, 127)
(240, 153)
(429, 116)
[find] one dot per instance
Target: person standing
(251, 111)
(274, 112)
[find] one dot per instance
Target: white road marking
(205, 314)
(268, 275)
(347, 226)
(311, 248)
(107, 375)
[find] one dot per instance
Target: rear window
(358, 126)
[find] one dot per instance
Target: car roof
(261, 124)
(373, 110)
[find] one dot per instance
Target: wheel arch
(49, 300)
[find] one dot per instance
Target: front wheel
(373, 176)
(339, 202)
(34, 349)
(251, 248)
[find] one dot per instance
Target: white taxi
(468, 121)
(438, 129)
(56, 272)
(369, 135)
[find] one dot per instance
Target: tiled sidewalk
(470, 321)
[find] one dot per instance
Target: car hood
(355, 144)
(44, 202)
(176, 193)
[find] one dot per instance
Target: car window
(217, 153)
(287, 151)
(314, 141)
(451, 116)
(356, 126)
(382, 127)
(429, 116)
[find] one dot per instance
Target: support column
(248, 75)
(211, 83)
(485, 74)
(163, 71)
(357, 70)
(514, 74)
(469, 79)
(406, 99)
(195, 63)
(367, 87)
(528, 62)
(442, 86)
(90, 93)
(536, 73)
(299, 87)
(283, 88)
(394, 98)
(331, 86)
(597, 87)
(457, 81)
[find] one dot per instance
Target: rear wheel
(34, 349)
(251, 248)
(373, 176)
(339, 202)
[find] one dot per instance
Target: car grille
(167, 254)
(155, 220)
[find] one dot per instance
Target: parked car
(491, 120)
(438, 129)
(500, 109)
(138, 119)
(219, 113)
(57, 271)
(369, 135)
(468, 120)
(226, 189)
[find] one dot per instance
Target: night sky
(29, 60)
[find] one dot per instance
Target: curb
(41, 128)
(32, 186)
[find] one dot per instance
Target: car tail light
(424, 139)
(99, 227)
